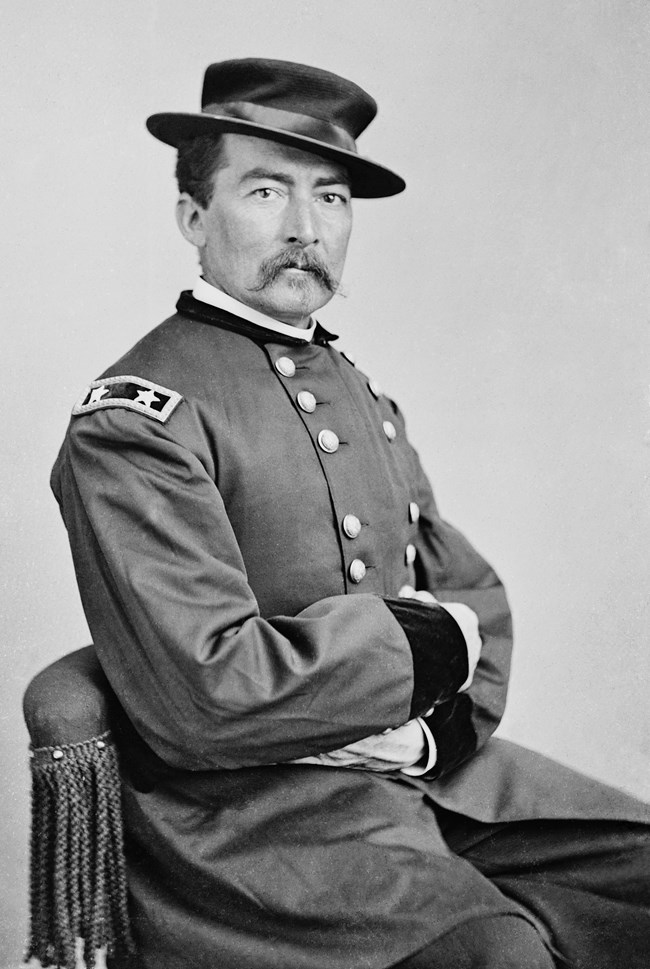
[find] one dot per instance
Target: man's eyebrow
(339, 178)
(260, 172)
(336, 178)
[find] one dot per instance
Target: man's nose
(301, 223)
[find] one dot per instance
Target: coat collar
(205, 292)
(195, 309)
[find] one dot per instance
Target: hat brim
(368, 179)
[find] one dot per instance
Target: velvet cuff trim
(453, 731)
(439, 650)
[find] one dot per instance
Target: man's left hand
(389, 751)
(403, 747)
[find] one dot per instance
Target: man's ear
(190, 217)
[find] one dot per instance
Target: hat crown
(293, 87)
(293, 104)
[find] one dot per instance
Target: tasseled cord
(78, 874)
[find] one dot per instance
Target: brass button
(374, 389)
(414, 511)
(285, 366)
(328, 441)
(410, 554)
(406, 592)
(351, 526)
(389, 430)
(357, 571)
(306, 401)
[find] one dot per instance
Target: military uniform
(244, 509)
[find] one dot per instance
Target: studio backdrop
(502, 301)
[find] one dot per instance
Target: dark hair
(198, 159)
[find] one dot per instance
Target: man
(291, 628)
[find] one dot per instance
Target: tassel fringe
(78, 885)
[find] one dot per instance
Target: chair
(78, 887)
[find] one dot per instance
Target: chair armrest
(78, 889)
(69, 701)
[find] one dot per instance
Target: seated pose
(316, 659)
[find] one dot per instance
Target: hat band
(297, 124)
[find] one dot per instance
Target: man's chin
(294, 296)
(301, 279)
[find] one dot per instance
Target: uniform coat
(242, 624)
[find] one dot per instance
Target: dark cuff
(440, 665)
(453, 731)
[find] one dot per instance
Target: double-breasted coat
(243, 511)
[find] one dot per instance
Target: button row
(357, 570)
(329, 442)
(307, 402)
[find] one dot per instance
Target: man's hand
(409, 744)
(466, 619)
(388, 751)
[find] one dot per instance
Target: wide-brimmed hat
(291, 103)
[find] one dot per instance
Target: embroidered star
(97, 394)
(146, 398)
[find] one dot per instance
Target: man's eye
(334, 198)
(265, 193)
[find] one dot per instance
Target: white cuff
(432, 755)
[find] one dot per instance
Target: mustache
(303, 259)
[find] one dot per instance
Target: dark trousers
(580, 893)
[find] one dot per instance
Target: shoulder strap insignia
(134, 393)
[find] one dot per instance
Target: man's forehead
(245, 153)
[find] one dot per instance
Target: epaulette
(133, 393)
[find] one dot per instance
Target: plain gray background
(502, 300)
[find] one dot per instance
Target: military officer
(313, 660)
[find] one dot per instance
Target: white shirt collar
(207, 293)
